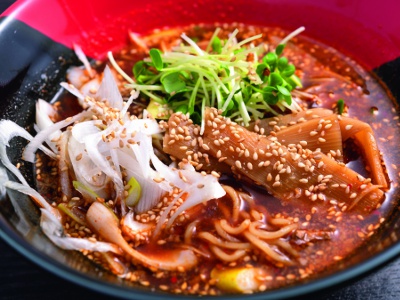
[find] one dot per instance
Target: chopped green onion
(240, 279)
(158, 110)
(134, 192)
(80, 219)
(340, 106)
(86, 192)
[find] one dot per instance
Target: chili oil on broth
(325, 73)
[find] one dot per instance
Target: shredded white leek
(104, 146)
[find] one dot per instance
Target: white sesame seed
(347, 190)
(269, 177)
(348, 127)
(215, 174)
(205, 147)
(238, 164)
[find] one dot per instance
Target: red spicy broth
(327, 234)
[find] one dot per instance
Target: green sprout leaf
(188, 78)
(139, 68)
(282, 63)
(270, 59)
(216, 45)
(182, 108)
(294, 81)
(270, 95)
(156, 59)
(279, 49)
(141, 72)
(275, 79)
(173, 82)
(260, 70)
(288, 70)
(284, 91)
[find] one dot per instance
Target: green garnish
(134, 192)
(228, 75)
(156, 59)
(84, 190)
(80, 219)
(340, 106)
(216, 45)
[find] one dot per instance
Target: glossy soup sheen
(330, 76)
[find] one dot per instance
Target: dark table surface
(22, 279)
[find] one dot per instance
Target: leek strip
(292, 34)
(215, 34)
(27, 190)
(37, 141)
(248, 40)
(229, 43)
(193, 44)
(118, 68)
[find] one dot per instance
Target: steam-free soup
(224, 167)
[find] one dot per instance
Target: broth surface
(339, 233)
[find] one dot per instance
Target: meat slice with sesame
(183, 141)
(287, 172)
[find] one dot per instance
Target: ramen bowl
(37, 51)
